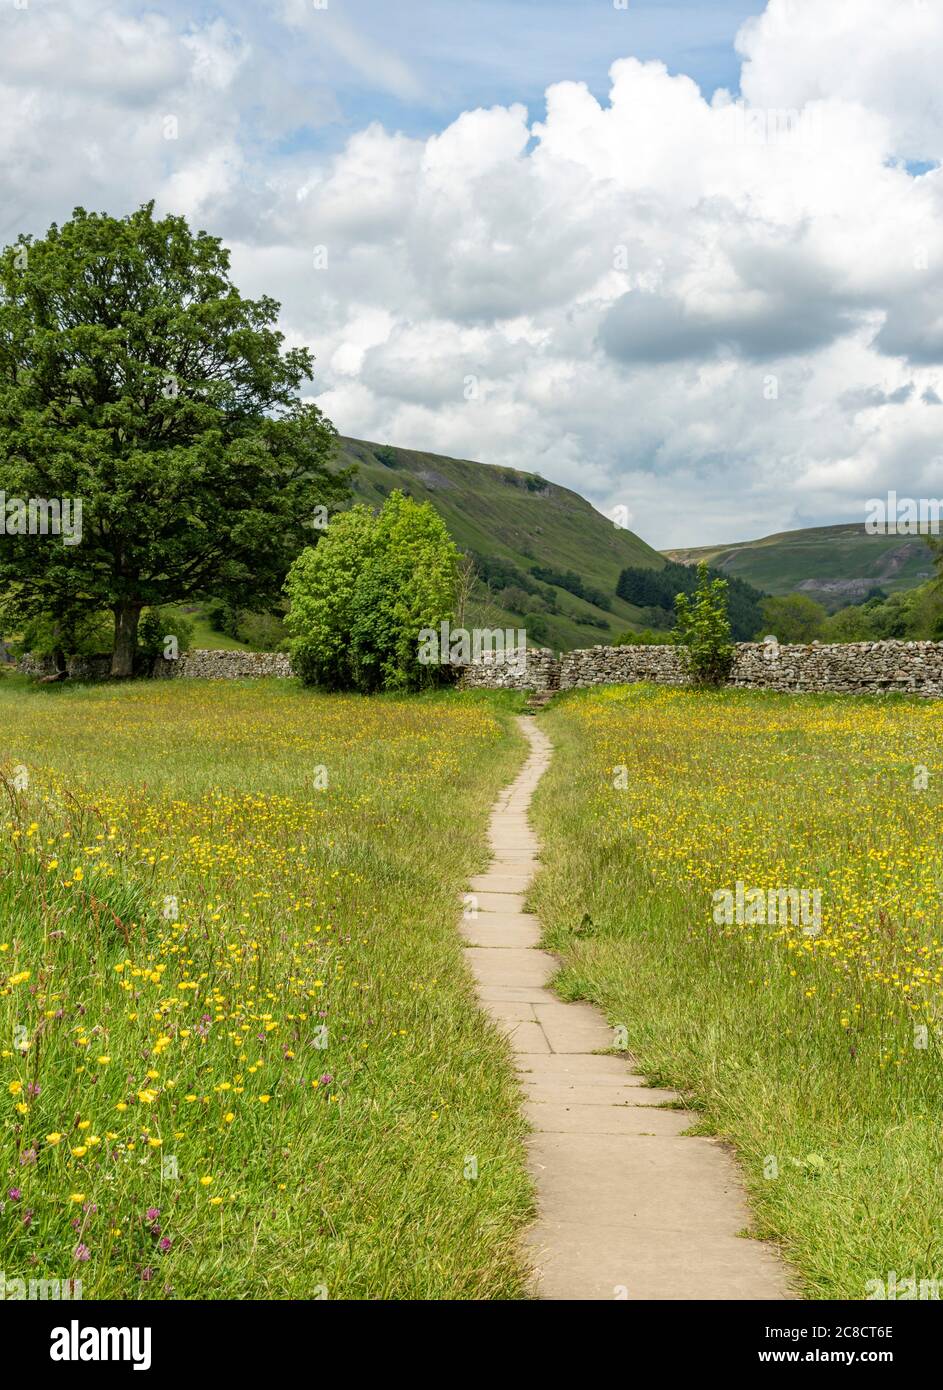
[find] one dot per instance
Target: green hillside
(836, 565)
(519, 520)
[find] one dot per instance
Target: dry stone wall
(77, 668)
(621, 666)
(203, 664)
(846, 667)
(519, 670)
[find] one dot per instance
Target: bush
(704, 630)
(223, 617)
(262, 632)
(793, 618)
(515, 599)
(156, 625)
(359, 600)
(913, 613)
(536, 627)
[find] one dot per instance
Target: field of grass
(206, 637)
(816, 1053)
(241, 1055)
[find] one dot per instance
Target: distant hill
(836, 565)
(514, 522)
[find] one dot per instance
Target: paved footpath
(627, 1206)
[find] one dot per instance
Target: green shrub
(704, 630)
(90, 635)
(156, 625)
(262, 632)
(536, 627)
(223, 617)
(359, 600)
(793, 618)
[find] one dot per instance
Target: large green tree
(134, 376)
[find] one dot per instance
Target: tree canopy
(361, 598)
(134, 376)
(792, 618)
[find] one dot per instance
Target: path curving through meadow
(629, 1207)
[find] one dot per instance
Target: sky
(686, 259)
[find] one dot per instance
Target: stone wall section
(203, 664)
(845, 667)
(842, 667)
(535, 669)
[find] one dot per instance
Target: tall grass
(817, 1054)
(241, 1055)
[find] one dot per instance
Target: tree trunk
(127, 616)
(58, 650)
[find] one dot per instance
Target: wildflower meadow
(812, 1042)
(240, 1057)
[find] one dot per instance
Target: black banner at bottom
(157, 1338)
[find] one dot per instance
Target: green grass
(800, 1050)
(196, 1039)
(206, 637)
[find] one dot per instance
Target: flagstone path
(628, 1207)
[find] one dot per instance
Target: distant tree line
(513, 582)
(573, 584)
(912, 614)
(656, 590)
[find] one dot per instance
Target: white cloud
(727, 316)
(883, 55)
